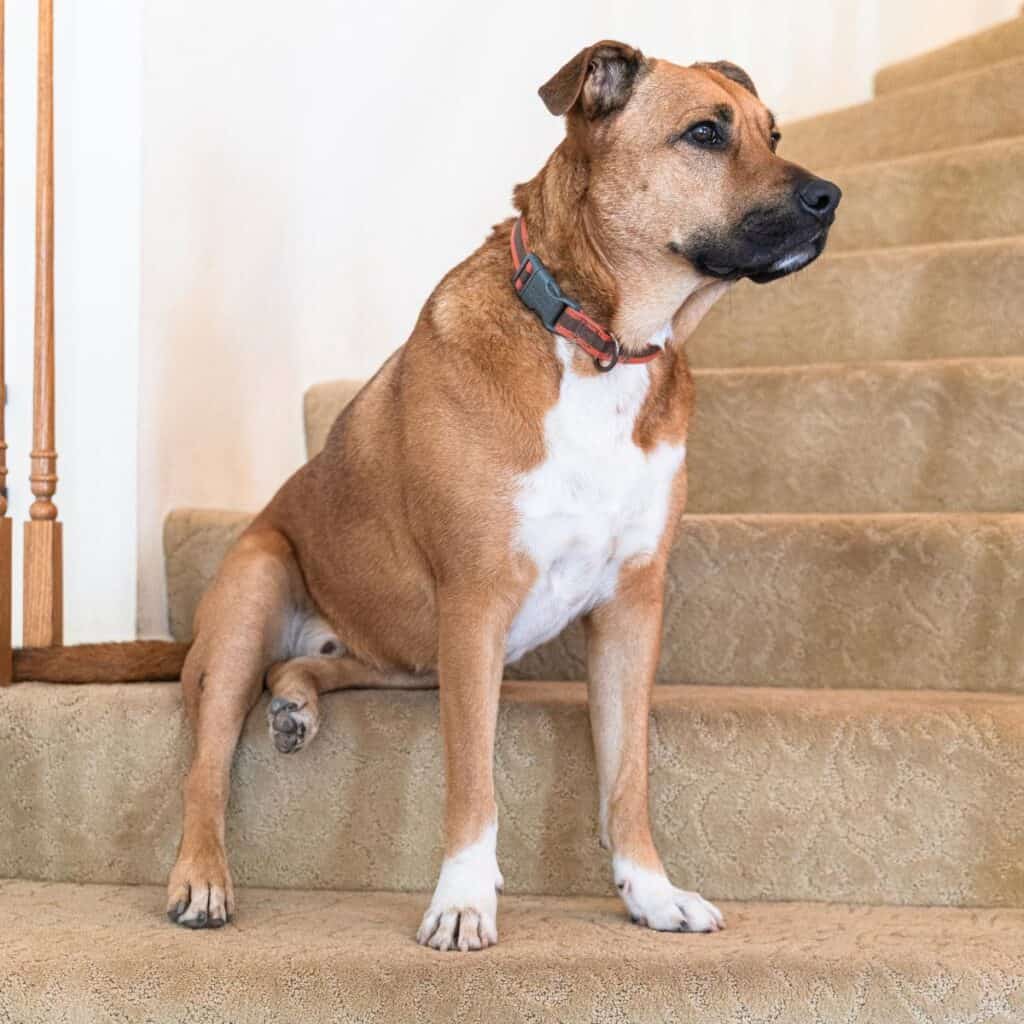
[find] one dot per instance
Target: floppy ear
(599, 78)
(731, 71)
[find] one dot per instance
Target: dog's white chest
(597, 501)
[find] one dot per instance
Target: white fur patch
(596, 502)
(312, 635)
(652, 900)
(463, 912)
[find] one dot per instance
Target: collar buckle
(539, 291)
(563, 316)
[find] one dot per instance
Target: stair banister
(43, 593)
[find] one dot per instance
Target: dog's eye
(705, 134)
(774, 140)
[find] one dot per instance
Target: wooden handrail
(6, 573)
(136, 661)
(43, 594)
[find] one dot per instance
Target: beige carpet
(933, 436)
(898, 602)
(981, 104)
(781, 794)
(1004, 41)
(100, 953)
(954, 195)
(876, 304)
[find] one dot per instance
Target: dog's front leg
(463, 912)
(623, 643)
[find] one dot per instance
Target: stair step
(967, 193)
(937, 436)
(195, 542)
(844, 796)
(904, 304)
(977, 106)
(326, 957)
(998, 43)
(899, 602)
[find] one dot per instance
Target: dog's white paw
(653, 901)
(463, 913)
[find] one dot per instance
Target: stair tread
(234, 516)
(957, 194)
(982, 101)
(338, 956)
(904, 600)
(971, 150)
(825, 425)
(880, 601)
(910, 797)
(880, 366)
(821, 701)
(831, 312)
(923, 248)
(989, 46)
(928, 436)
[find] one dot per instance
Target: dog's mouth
(771, 268)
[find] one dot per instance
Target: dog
(519, 463)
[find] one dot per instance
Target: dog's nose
(819, 197)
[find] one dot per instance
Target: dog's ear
(732, 71)
(600, 79)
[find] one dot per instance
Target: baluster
(43, 597)
(5, 520)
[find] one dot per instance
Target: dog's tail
(155, 661)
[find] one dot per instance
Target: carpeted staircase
(838, 746)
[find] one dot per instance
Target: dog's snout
(819, 197)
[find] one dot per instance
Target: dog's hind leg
(243, 626)
(295, 687)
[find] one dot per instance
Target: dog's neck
(643, 300)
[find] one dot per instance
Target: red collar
(539, 292)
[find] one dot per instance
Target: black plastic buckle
(540, 292)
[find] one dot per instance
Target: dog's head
(682, 164)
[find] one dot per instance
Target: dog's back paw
(292, 725)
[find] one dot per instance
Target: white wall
(98, 182)
(913, 26)
(287, 162)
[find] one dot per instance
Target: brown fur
(399, 534)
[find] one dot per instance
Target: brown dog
(501, 476)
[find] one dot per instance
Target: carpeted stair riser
(992, 46)
(860, 796)
(975, 107)
(102, 953)
(195, 542)
(321, 405)
(884, 437)
(968, 193)
(878, 304)
(900, 602)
